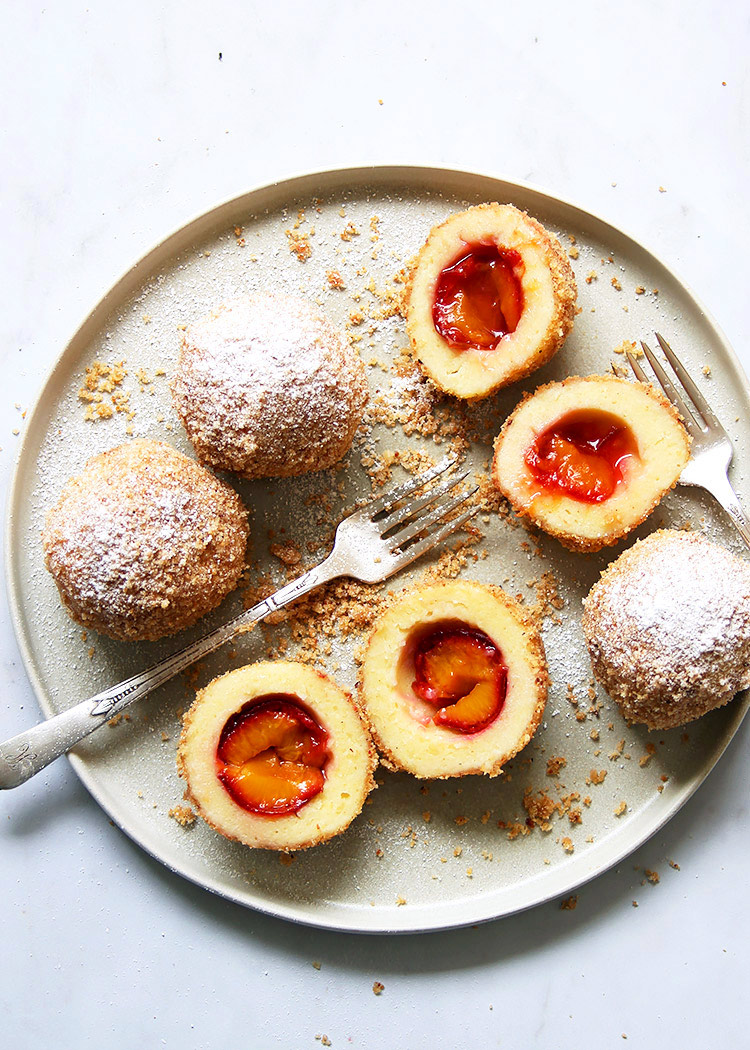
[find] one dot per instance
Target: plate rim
(165, 246)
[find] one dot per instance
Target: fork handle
(26, 754)
(723, 492)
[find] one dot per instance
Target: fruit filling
(461, 671)
(584, 455)
(271, 756)
(478, 298)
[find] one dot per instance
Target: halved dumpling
(276, 756)
(491, 299)
(454, 680)
(589, 458)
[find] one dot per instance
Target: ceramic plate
(420, 856)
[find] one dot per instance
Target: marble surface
(120, 123)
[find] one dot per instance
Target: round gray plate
(420, 857)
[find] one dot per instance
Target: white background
(119, 123)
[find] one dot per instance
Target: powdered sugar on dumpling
(267, 386)
(668, 628)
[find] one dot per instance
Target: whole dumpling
(668, 628)
(144, 541)
(267, 386)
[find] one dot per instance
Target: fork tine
(412, 508)
(691, 389)
(439, 513)
(636, 369)
(671, 391)
(391, 498)
(422, 546)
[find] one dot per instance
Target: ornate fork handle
(26, 754)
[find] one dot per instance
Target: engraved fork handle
(26, 754)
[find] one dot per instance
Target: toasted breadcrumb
(617, 752)
(100, 391)
(627, 346)
(335, 280)
(299, 245)
(184, 815)
(555, 764)
(515, 830)
(288, 553)
(540, 808)
(650, 752)
(548, 599)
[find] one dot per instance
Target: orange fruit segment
(271, 756)
(478, 298)
(462, 672)
(584, 455)
(266, 784)
(476, 710)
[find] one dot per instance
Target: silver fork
(371, 544)
(711, 448)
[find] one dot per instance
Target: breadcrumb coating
(144, 542)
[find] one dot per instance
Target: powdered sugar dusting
(144, 541)
(267, 386)
(669, 627)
